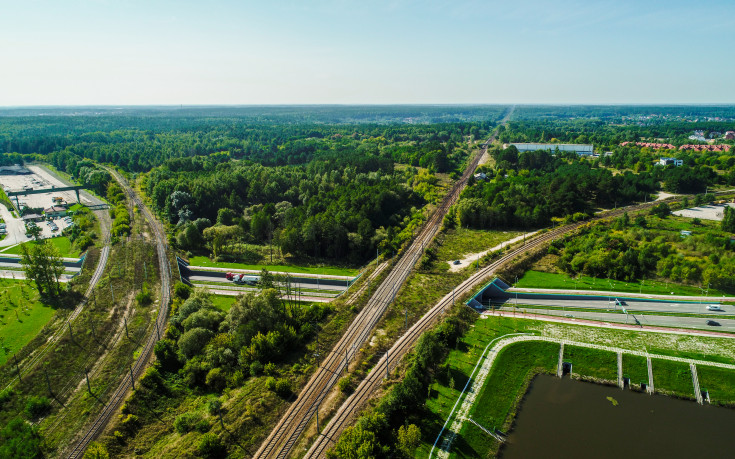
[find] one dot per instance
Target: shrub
(283, 387)
(166, 355)
(270, 369)
(211, 446)
(37, 407)
(193, 341)
(345, 385)
(182, 290)
(214, 406)
(187, 422)
(256, 368)
(6, 395)
(216, 379)
(96, 450)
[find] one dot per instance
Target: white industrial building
(580, 149)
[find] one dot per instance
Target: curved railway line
(370, 384)
(50, 343)
(284, 436)
(117, 397)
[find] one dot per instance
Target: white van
(714, 307)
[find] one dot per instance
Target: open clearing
(22, 316)
(714, 212)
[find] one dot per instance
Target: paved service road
(674, 307)
(725, 325)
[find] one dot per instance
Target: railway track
(370, 384)
(116, 399)
(284, 436)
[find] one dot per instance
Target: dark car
(713, 323)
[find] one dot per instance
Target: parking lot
(15, 228)
(709, 212)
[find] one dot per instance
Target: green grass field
(635, 368)
(672, 377)
(719, 382)
(62, 243)
(17, 330)
(592, 363)
(204, 261)
(223, 302)
(503, 389)
(462, 241)
(538, 279)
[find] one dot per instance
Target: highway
(726, 324)
(116, 399)
(670, 307)
(282, 439)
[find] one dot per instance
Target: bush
(6, 395)
(187, 422)
(211, 446)
(345, 385)
(144, 297)
(193, 341)
(166, 355)
(270, 383)
(19, 439)
(182, 290)
(270, 369)
(96, 450)
(37, 407)
(214, 406)
(256, 368)
(283, 387)
(216, 379)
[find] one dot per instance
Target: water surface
(563, 418)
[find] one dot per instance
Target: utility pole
(346, 364)
(132, 380)
(126, 327)
(386, 364)
(113, 293)
(48, 383)
(71, 335)
(89, 388)
(17, 368)
(91, 326)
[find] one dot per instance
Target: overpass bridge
(53, 189)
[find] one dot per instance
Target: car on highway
(713, 323)
(714, 307)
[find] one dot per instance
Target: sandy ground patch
(710, 212)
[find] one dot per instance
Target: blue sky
(134, 52)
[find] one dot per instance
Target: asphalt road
(725, 325)
(673, 307)
(294, 285)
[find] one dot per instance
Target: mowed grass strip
(504, 388)
(538, 279)
(63, 244)
(333, 271)
(636, 368)
(673, 378)
(592, 363)
(22, 316)
(719, 382)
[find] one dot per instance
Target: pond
(572, 419)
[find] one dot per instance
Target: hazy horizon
(343, 52)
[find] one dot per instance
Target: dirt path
(472, 257)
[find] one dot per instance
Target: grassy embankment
(63, 244)
(205, 261)
(22, 316)
(538, 279)
(508, 380)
